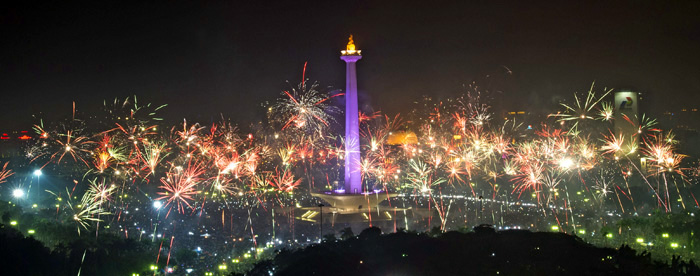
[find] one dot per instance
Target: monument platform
(343, 203)
(349, 208)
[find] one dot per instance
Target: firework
(179, 186)
(283, 181)
(582, 109)
(5, 173)
(154, 153)
(305, 108)
(448, 149)
(87, 211)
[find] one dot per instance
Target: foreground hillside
(483, 252)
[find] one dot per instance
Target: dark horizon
(206, 59)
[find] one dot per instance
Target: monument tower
(353, 180)
(351, 199)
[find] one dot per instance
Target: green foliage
(329, 238)
(346, 233)
(659, 233)
(55, 248)
(185, 256)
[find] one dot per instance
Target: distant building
(13, 142)
(685, 124)
(686, 118)
(515, 115)
(398, 138)
(626, 114)
(521, 117)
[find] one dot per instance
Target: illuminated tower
(353, 180)
(351, 203)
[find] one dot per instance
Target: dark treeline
(106, 255)
(482, 252)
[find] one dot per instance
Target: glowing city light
(18, 193)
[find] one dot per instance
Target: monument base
(351, 208)
(342, 203)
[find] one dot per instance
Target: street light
(156, 204)
(321, 233)
(18, 193)
(38, 174)
(481, 208)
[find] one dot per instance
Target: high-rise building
(627, 119)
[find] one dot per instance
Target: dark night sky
(209, 58)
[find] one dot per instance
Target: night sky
(204, 59)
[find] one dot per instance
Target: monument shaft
(353, 175)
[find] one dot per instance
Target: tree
(329, 238)
(346, 233)
(184, 255)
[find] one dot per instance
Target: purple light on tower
(353, 177)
